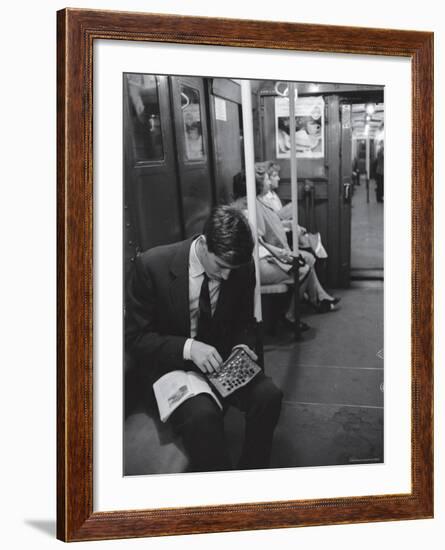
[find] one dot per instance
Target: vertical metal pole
(249, 157)
(367, 167)
(294, 194)
(293, 166)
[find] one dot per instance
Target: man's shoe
(288, 323)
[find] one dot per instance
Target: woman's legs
(271, 273)
(312, 287)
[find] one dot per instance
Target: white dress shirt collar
(196, 269)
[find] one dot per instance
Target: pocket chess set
(237, 371)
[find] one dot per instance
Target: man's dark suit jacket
(157, 314)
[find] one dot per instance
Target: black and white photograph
(253, 274)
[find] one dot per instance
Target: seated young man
(188, 305)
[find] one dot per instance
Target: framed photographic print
(244, 275)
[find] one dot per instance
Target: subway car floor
(332, 381)
(333, 385)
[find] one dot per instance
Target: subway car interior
(185, 138)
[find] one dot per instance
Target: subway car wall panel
(151, 192)
(227, 145)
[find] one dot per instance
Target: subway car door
(192, 151)
(151, 193)
(346, 193)
(225, 122)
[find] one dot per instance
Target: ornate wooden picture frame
(77, 31)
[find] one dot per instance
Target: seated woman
(306, 241)
(271, 197)
(276, 258)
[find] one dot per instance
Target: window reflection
(191, 117)
(145, 116)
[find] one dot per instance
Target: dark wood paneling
(312, 214)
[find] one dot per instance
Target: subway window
(145, 117)
(191, 118)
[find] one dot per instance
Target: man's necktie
(205, 312)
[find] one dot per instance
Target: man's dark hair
(228, 235)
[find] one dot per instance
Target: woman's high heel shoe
(325, 306)
(322, 306)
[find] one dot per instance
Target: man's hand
(205, 357)
(249, 352)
